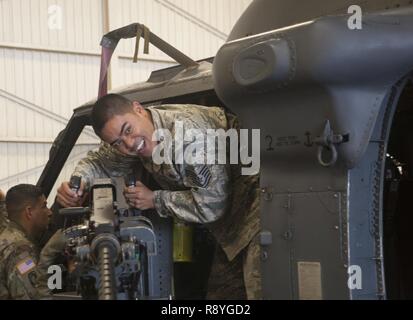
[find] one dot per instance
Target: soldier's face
(131, 133)
(40, 216)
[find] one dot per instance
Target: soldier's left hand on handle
(67, 198)
(53, 248)
(139, 197)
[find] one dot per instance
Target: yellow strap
(138, 37)
(146, 34)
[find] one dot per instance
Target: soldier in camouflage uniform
(215, 195)
(3, 212)
(106, 162)
(29, 217)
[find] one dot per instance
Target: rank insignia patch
(199, 176)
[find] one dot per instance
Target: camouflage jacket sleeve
(3, 215)
(50, 253)
(89, 168)
(207, 197)
(103, 163)
(3, 208)
(22, 273)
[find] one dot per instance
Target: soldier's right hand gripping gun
(111, 248)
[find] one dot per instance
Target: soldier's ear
(137, 107)
(28, 213)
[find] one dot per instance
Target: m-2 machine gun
(115, 249)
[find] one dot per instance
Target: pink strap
(104, 66)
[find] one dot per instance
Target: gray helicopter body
(325, 96)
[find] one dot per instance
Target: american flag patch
(26, 265)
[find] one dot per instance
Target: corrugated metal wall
(49, 65)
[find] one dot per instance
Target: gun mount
(116, 251)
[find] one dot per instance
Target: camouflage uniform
(106, 162)
(239, 278)
(3, 216)
(215, 195)
(18, 265)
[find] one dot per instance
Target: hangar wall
(49, 65)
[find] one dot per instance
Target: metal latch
(329, 141)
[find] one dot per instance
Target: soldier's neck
(24, 227)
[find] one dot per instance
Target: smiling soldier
(216, 195)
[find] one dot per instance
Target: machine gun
(114, 249)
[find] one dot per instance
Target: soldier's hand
(71, 265)
(139, 197)
(55, 245)
(67, 198)
(2, 196)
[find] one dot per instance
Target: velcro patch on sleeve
(26, 265)
(199, 176)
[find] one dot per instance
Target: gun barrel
(106, 267)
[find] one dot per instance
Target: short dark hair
(107, 107)
(20, 196)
